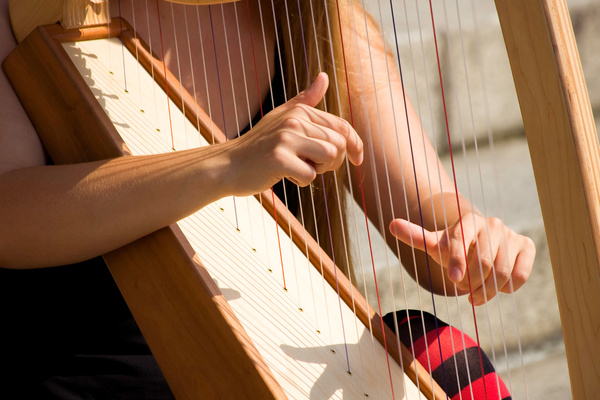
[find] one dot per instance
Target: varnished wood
(566, 158)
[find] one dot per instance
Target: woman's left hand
(472, 253)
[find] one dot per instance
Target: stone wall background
(476, 46)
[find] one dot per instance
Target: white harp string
(339, 190)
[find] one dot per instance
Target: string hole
(157, 129)
(173, 149)
(237, 230)
(349, 373)
(126, 91)
(285, 289)
(270, 270)
(143, 112)
(332, 351)
(222, 209)
(254, 250)
(318, 331)
(366, 395)
(110, 72)
(300, 309)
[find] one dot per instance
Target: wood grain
(564, 151)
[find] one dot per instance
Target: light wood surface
(566, 158)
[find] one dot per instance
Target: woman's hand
(499, 252)
(294, 141)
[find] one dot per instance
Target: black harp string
(380, 212)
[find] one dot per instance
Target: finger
(417, 237)
(322, 133)
(459, 238)
(353, 142)
(296, 143)
(522, 266)
(299, 172)
(479, 266)
(312, 95)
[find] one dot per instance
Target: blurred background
(493, 170)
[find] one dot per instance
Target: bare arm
(54, 215)
(402, 155)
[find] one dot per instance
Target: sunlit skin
(56, 215)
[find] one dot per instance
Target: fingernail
(455, 275)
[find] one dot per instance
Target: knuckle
(486, 261)
(343, 127)
(308, 178)
(292, 122)
(502, 273)
(495, 222)
(285, 138)
(301, 108)
(519, 278)
(278, 158)
(331, 152)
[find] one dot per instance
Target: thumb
(312, 95)
(415, 236)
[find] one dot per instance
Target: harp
(554, 103)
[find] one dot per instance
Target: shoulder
(19, 144)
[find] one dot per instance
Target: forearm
(55, 215)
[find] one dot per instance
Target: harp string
(423, 137)
(358, 242)
(285, 196)
(498, 194)
(137, 57)
(230, 70)
(430, 189)
(470, 107)
(322, 179)
(162, 50)
(386, 169)
(249, 113)
(324, 187)
(122, 46)
(180, 78)
(152, 64)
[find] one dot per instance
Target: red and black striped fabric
(458, 371)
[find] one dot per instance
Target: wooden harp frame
(160, 277)
(565, 154)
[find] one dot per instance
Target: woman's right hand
(294, 141)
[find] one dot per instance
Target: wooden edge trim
(415, 371)
(63, 35)
(354, 299)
